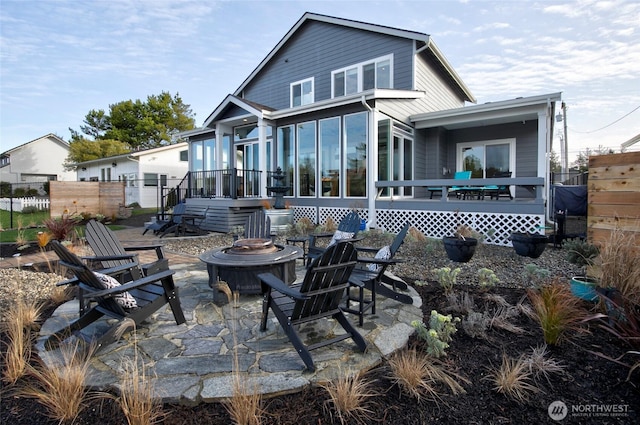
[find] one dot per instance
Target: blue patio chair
(162, 223)
(459, 175)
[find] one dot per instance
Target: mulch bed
(589, 382)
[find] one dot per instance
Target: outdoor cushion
(124, 299)
(340, 235)
(383, 253)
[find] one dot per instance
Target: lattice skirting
(495, 227)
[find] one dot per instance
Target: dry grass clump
(514, 379)
(559, 313)
(137, 396)
(619, 265)
(61, 389)
(542, 366)
(349, 396)
(245, 406)
(419, 375)
(22, 317)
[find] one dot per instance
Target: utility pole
(564, 146)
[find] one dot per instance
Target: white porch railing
(20, 203)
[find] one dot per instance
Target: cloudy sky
(60, 59)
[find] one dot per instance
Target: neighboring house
(365, 116)
(37, 161)
(143, 172)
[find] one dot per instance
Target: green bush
(581, 252)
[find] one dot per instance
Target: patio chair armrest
(155, 267)
(274, 282)
(367, 249)
(72, 281)
(371, 260)
(91, 292)
(110, 257)
(158, 247)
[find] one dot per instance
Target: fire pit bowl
(253, 246)
(239, 264)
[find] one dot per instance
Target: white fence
(20, 203)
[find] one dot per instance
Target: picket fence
(20, 203)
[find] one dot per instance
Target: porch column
(221, 130)
(372, 165)
(262, 159)
(544, 146)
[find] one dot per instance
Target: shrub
(31, 209)
(581, 252)
(447, 277)
(487, 278)
(438, 335)
(557, 311)
(476, 324)
(61, 227)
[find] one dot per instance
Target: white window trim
(512, 151)
(359, 67)
(301, 82)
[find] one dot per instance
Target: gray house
(365, 116)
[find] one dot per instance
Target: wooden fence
(614, 195)
(93, 198)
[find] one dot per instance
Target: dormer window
(375, 74)
(302, 92)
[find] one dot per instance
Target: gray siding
(319, 48)
(439, 92)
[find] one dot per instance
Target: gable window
(375, 74)
(302, 92)
(184, 156)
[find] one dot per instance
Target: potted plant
(529, 244)
(462, 245)
(583, 254)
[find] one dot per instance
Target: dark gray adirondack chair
(163, 222)
(317, 297)
(258, 225)
(377, 281)
(349, 223)
(150, 292)
(105, 243)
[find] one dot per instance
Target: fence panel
(614, 195)
(86, 197)
(20, 204)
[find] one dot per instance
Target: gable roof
(252, 108)
(424, 39)
(51, 136)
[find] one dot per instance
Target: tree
(81, 150)
(554, 162)
(140, 125)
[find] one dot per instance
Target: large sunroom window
(377, 73)
(485, 159)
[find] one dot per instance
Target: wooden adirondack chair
(258, 225)
(349, 225)
(162, 223)
(150, 294)
(105, 243)
(317, 297)
(371, 274)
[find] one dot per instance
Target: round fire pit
(253, 246)
(239, 265)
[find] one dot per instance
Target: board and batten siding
(319, 48)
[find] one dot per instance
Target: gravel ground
(419, 257)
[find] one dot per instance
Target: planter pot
(280, 218)
(460, 250)
(584, 287)
(529, 245)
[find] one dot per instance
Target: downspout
(371, 200)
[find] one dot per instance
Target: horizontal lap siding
(439, 94)
(319, 48)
